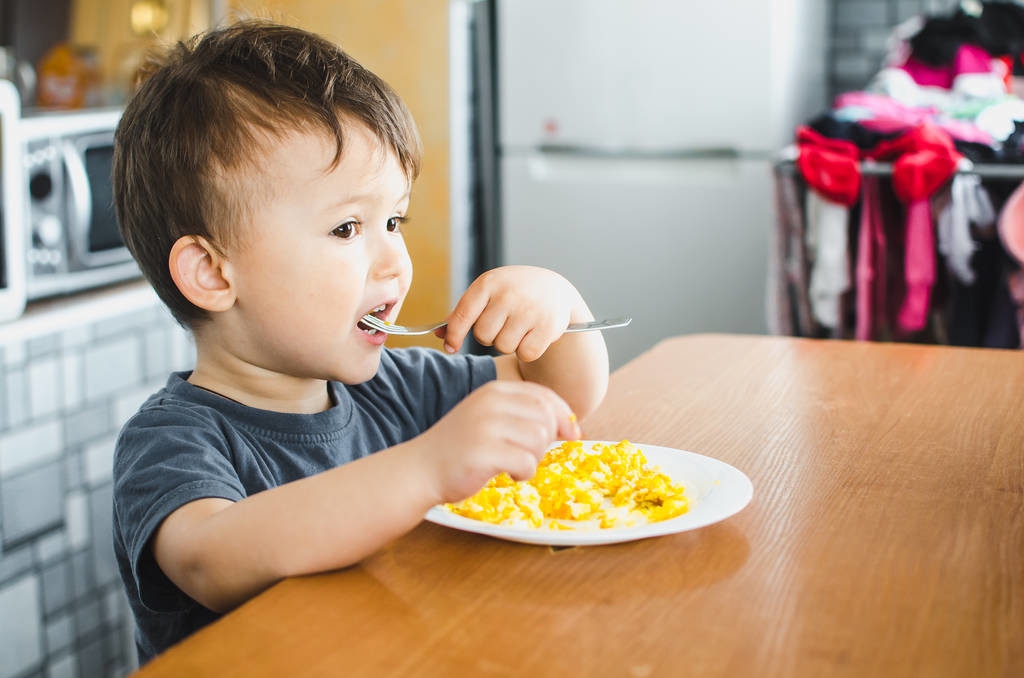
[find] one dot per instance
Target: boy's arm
(222, 553)
(571, 367)
(523, 312)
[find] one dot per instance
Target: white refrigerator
(627, 144)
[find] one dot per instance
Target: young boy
(262, 178)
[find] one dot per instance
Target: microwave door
(92, 228)
(12, 262)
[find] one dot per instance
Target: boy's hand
(502, 426)
(516, 309)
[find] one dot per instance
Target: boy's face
(324, 249)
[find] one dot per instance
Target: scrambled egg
(607, 486)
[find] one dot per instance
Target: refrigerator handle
(710, 153)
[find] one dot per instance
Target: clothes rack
(987, 311)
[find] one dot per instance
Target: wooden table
(885, 538)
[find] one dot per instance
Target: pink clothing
(919, 266)
(968, 59)
(871, 261)
(889, 116)
(886, 108)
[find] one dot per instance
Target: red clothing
(923, 160)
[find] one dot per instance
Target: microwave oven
(71, 238)
(60, 234)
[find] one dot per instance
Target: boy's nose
(390, 257)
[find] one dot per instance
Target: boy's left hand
(516, 309)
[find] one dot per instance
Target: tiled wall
(860, 32)
(63, 397)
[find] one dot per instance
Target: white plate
(715, 489)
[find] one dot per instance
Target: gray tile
(56, 587)
(157, 351)
(113, 647)
(101, 523)
(51, 546)
(59, 633)
(126, 404)
(845, 41)
(39, 347)
(857, 68)
(183, 349)
(119, 325)
(32, 501)
(854, 13)
(163, 317)
(76, 519)
(72, 374)
(74, 476)
(87, 424)
(15, 353)
(75, 337)
(848, 84)
(91, 660)
(3, 402)
(152, 315)
(875, 40)
(17, 397)
(20, 627)
(14, 563)
(65, 666)
(87, 619)
(112, 611)
(29, 446)
(127, 632)
(82, 581)
(906, 9)
(852, 65)
(99, 461)
(112, 366)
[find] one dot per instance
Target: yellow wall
(406, 43)
(403, 41)
(106, 25)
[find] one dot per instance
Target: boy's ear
(201, 273)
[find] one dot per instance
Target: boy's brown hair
(202, 115)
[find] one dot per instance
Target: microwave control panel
(47, 248)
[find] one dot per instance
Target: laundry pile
(901, 215)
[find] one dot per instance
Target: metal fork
(388, 328)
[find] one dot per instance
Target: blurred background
(630, 145)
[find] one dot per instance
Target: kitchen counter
(60, 313)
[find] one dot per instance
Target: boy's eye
(345, 231)
(395, 224)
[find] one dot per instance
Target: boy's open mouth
(381, 312)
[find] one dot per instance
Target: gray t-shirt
(187, 443)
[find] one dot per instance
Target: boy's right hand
(501, 426)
